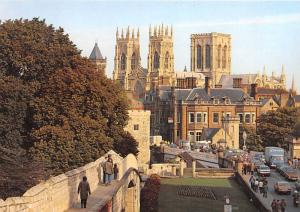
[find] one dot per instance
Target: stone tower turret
(160, 57)
(97, 58)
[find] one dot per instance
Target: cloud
(278, 19)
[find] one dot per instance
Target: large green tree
(275, 126)
(253, 141)
(72, 113)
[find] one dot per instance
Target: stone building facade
(211, 55)
(139, 127)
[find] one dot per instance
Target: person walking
(108, 170)
(278, 206)
(84, 191)
(256, 185)
(103, 170)
(260, 186)
(273, 205)
(252, 168)
(116, 171)
(282, 205)
(265, 191)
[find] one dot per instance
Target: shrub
(149, 194)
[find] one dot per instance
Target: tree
(253, 141)
(125, 143)
(31, 49)
(275, 126)
(15, 97)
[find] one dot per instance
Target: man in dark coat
(84, 190)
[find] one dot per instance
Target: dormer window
(226, 100)
(216, 101)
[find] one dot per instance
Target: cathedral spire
(132, 33)
(171, 30)
(150, 31)
(293, 87)
(167, 31)
(127, 32)
(138, 33)
(155, 33)
(117, 33)
(122, 34)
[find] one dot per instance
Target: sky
(263, 32)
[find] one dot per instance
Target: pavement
(98, 198)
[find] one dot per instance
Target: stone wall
(164, 169)
(60, 192)
(139, 127)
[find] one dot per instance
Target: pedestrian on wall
(278, 205)
(108, 170)
(256, 185)
(282, 205)
(260, 186)
(116, 171)
(273, 206)
(103, 170)
(84, 191)
(252, 168)
(265, 190)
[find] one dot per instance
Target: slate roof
(96, 54)
(209, 133)
(234, 94)
(271, 91)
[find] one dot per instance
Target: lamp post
(244, 138)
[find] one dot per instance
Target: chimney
(237, 83)
(207, 85)
(253, 91)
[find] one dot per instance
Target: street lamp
(244, 137)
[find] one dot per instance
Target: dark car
(282, 187)
(280, 168)
(297, 185)
(290, 174)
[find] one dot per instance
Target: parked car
(282, 187)
(263, 170)
(290, 174)
(297, 185)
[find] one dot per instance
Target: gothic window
(156, 60)
(207, 56)
(199, 56)
(224, 57)
(133, 61)
(123, 61)
(216, 117)
(219, 56)
(198, 136)
(167, 60)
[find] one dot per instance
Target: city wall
(60, 192)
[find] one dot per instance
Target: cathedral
(210, 57)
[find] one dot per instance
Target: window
(253, 117)
(219, 56)
(156, 60)
(204, 117)
(228, 115)
(198, 136)
(199, 56)
(207, 56)
(216, 101)
(178, 117)
(198, 117)
(216, 117)
(133, 61)
(177, 133)
(191, 117)
(247, 118)
(136, 127)
(224, 57)
(167, 60)
(123, 61)
(241, 117)
(191, 136)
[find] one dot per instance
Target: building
(97, 58)
(211, 55)
(181, 114)
(127, 63)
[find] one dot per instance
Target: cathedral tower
(97, 58)
(211, 55)
(160, 57)
(127, 68)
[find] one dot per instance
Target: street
(275, 177)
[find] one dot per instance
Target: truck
(274, 156)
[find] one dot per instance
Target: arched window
(133, 61)
(219, 56)
(167, 60)
(156, 60)
(207, 56)
(123, 61)
(224, 57)
(199, 56)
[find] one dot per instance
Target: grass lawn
(170, 201)
(198, 182)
